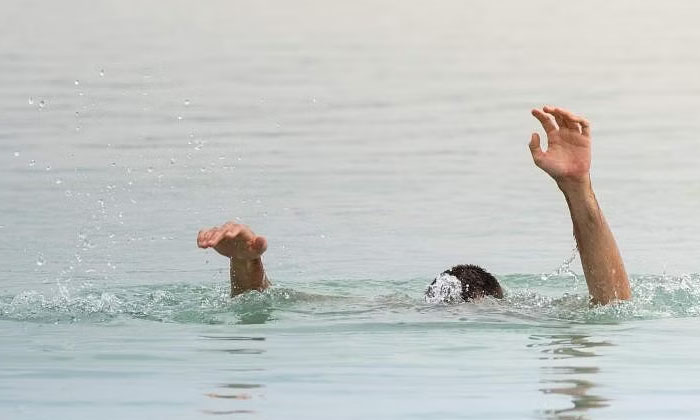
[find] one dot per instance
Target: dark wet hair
(476, 282)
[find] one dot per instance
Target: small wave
(527, 296)
(654, 297)
(172, 303)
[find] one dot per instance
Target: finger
(245, 233)
(536, 149)
(585, 126)
(582, 124)
(572, 120)
(260, 245)
(200, 239)
(557, 116)
(233, 232)
(545, 120)
(229, 225)
(574, 126)
(217, 237)
(208, 235)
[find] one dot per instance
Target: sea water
(375, 144)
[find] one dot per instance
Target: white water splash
(564, 270)
(445, 289)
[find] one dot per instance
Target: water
(375, 144)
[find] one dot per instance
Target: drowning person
(567, 160)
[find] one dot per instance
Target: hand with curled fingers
(568, 155)
(233, 240)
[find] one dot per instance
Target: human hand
(568, 155)
(234, 241)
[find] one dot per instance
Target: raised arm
(568, 161)
(244, 249)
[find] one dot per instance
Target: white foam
(445, 289)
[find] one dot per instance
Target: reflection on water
(233, 394)
(564, 346)
(227, 412)
(211, 337)
(241, 386)
(569, 379)
(229, 396)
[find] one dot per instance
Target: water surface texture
(375, 144)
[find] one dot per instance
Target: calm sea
(375, 143)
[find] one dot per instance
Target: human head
(475, 281)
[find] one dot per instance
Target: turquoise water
(183, 350)
(375, 144)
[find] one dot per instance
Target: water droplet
(102, 73)
(81, 94)
(69, 193)
(16, 154)
(31, 101)
(76, 82)
(59, 181)
(179, 118)
(48, 168)
(32, 162)
(77, 128)
(187, 102)
(42, 104)
(172, 161)
(150, 169)
(40, 261)
(77, 114)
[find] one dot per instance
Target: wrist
(575, 186)
(581, 200)
(247, 275)
(245, 261)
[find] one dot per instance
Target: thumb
(535, 149)
(260, 244)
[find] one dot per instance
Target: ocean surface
(375, 144)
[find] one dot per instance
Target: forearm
(602, 263)
(247, 275)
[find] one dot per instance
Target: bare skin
(244, 249)
(568, 161)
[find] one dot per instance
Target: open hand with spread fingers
(568, 161)
(568, 155)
